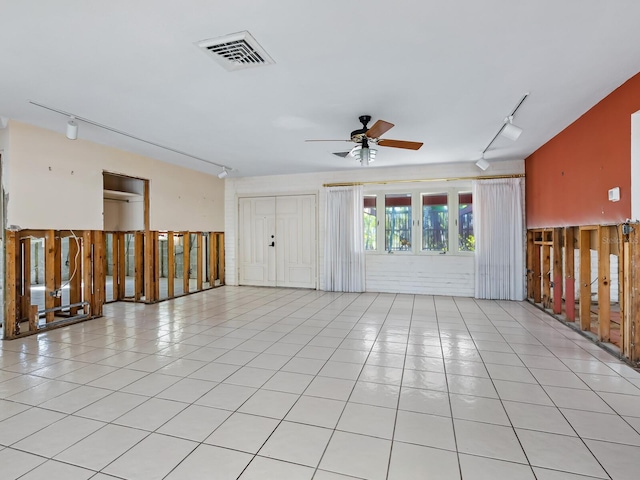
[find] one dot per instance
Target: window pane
(370, 222)
(397, 222)
(466, 240)
(435, 222)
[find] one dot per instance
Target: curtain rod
(422, 180)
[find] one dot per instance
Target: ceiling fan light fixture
(510, 131)
(72, 129)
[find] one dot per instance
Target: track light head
(509, 130)
(223, 173)
(4, 121)
(482, 164)
(72, 129)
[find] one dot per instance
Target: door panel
(257, 226)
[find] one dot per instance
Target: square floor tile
(297, 443)
(187, 390)
(481, 468)
(479, 409)
(53, 470)
(309, 366)
(477, 386)
(386, 375)
(322, 412)
(269, 403)
(118, 379)
(487, 440)
(215, 372)
(16, 463)
(368, 420)
(195, 422)
(182, 367)
(243, 432)
(288, 382)
(522, 392)
(550, 451)
(151, 459)
(151, 385)
(423, 429)
(74, 400)
(211, 463)
(151, 414)
(66, 432)
(416, 462)
(25, 423)
(426, 380)
(227, 397)
(334, 388)
(538, 417)
(377, 394)
(102, 447)
(112, 406)
(250, 377)
(262, 468)
(357, 455)
(577, 399)
(602, 426)
(546, 474)
(620, 461)
(425, 401)
(348, 371)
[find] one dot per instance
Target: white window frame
(416, 216)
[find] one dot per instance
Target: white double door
(277, 245)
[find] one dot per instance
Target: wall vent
(236, 51)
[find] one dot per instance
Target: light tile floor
(256, 383)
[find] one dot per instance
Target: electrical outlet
(56, 293)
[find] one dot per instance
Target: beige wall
(55, 183)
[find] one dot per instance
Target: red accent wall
(568, 177)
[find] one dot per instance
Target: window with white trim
(436, 221)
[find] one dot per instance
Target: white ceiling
(444, 72)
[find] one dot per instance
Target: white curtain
(344, 240)
(499, 231)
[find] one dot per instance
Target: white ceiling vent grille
(236, 51)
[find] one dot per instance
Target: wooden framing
(199, 261)
(569, 272)
(546, 276)
(171, 265)
(49, 273)
(631, 345)
(87, 265)
(557, 270)
(585, 279)
(604, 283)
(186, 261)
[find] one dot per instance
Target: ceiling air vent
(236, 51)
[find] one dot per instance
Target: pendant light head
(72, 129)
(511, 131)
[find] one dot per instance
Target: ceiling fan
(365, 136)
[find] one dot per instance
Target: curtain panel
(344, 240)
(499, 229)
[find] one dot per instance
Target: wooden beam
(139, 266)
(75, 272)
(199, 261)
(25, 307)
(213, 258)
(221, 257)
(569, 272)
(186, 261)
(156, 270)
(171, 265)
(12, 249)
(557, 271)
(625, 328)
(149, 267)
(585, 279)
(57, 301)
(537, 274)
(122, 266)
(621, 284)
(633, 304)
(87, 270)
(49, 272)
(546, 276)
(604, 284)
(99, 268)
(33, 318)
(530, 253)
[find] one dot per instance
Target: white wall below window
(395, 273)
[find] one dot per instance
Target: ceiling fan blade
(341, 154)
(329, 140)
(379, 128)
(400, 144)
